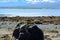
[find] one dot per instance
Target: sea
(30, 12)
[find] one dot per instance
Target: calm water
(31, 12)
(13, 24)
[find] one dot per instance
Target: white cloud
(8, 0)
(36, 1)
(33, 1)
(51, 1)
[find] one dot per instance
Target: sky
(49, 7)
(29, 3)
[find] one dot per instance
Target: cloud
(36, 1)
(51, 1)
(8, 0)
(33, 1)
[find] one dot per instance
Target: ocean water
(30, 12)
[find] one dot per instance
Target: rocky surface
(49, 33)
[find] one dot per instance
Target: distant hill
(5, 15)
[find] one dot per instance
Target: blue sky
(31, 4)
